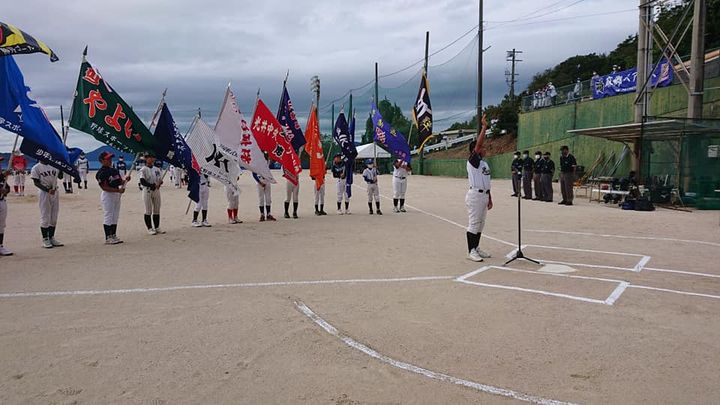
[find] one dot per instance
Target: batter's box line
(637, 268)
(610, 300)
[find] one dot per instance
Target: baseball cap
(105, 155)
(149, 154)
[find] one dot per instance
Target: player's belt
(398, 177)
(480, 190)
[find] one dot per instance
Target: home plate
(556, 268)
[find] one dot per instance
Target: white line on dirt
(214, 286)
(690, 273)
(643, 287)
(702, 242)
(489, 389)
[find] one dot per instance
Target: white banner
(235, 138)
(213, 160)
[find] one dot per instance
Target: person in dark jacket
(516, 170)
(548, 170)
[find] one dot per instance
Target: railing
(446, 143)
(571, 93)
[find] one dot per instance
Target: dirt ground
(360, 309)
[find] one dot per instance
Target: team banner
(14, 41)
(286, 117)
(350, 162)
(22, 115)
(314, 149)
(389, 137)
(271, 138)
(38, 152)
(341, 135)
(236, 140)
(212, 161)
(171, 148)
(626, 80)
(422, 111)
(99, 111)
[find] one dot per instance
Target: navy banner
(626, 81)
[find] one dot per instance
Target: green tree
(504, 116)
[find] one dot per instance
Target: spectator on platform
(552, 93)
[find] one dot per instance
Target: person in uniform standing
(121, 166)
(546, 176)
(4, 191)
(401, 170)
(319, 197)
(45, 179)
(291, 191)
(233, 200)
(568, 164)
(18, 163)
(338, 172)
(370, 175)
(264, 189)
(202, 205)
(516, 171)
(112, 184)
(151, 180)
(537, 174)
(478, 198)
(527, 174)
(83, 167)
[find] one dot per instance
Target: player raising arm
(478, 198)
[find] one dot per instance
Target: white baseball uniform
(292, 190)
(478, 195)
(373, 191)
(110, 202)
(83, 167)
(19, 178)
(399, 182)
(151, 198)
(202, 204)
(232, 198)
(264, 194)
(49, 203)
(320, 195)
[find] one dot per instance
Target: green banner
(99, 111)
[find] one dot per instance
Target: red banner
(313, 147)
(271, 139)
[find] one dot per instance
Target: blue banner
(37, 152)
(389, 137)
(171, 148)
(23, 116)
(287, 118)
(626, 81)
(350, 163)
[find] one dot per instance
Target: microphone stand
(519, 253)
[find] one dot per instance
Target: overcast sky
(194, 48)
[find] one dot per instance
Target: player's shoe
(114, 240)
(295, 216)
(55, 242)
(5, 251)
(347, 211)
(371, 212)
(262, 218)
(231, 221)
(395, 209)
(474, 256)
(323, 213)
(287, 216)
(109, 241)
(196, 224)
(160, 231)
(47, 244)
(152, 231)
(379, 212)
(483, 254)
(206, 224)
(340, 212)
(271, 218)
(402, 209)
(317, 213)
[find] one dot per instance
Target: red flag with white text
(271, 139)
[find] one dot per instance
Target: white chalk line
(215, 286)
(690, 273)
(702, 242)
(637, 268)
(489, 389)
(610, 300)
(692, 294)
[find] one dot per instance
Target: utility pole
(512, 58)
(697, 60)
(643, 60)
(377, 104)
(315, 88)
(480, 65)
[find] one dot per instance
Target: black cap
(105, 155)
(546, 154)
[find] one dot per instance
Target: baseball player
(264, 189)
(370, 176)
(139, 164)
(319, 197)
(202, 204)
(233, 204)
(121, 166)
(112, 184)
(338, 171)
(83, 167)
(478, 198)
(151, 180)
(401, 170)
(178, 173)
(18, 163)
(291, 190)
(4, 191)
(45, 179)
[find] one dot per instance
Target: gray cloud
(195, 48)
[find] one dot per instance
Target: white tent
(366, 152)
